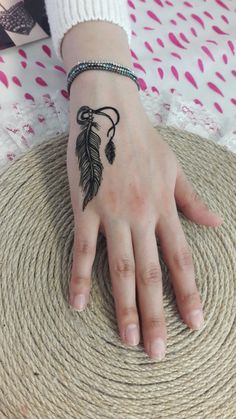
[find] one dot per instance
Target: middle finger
(149, 289)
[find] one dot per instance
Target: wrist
(96, 88)
(102, 82)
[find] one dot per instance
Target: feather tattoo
(87, 149)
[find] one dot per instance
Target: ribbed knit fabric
(63, 14)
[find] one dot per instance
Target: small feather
(110, 151)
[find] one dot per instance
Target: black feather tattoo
(87, 149)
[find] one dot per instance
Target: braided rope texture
(58, 363)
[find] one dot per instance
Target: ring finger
(178, 258)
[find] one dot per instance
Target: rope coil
(58, 363)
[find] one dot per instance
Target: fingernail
(196, 319)
(158, 349)
(79, 302)
(132, 335)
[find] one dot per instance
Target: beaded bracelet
(82, 66)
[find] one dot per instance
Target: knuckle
(128, 312)
(77, 278)
(124, 267)
(79, 281)
(167, 200)
(183, 258)
(112, 202)
(155, 322)
(190, 298)
(84, 247)
(151, 275)
(138, 202)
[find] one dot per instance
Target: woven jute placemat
(59, 363)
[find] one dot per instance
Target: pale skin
(137, 200)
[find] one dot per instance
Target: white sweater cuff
(63, 14)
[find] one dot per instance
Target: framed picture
(22, 21)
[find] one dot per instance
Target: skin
(137, 200)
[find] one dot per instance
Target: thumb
(190, 203)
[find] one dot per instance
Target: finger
(84, 250)
(122, 270)
(178, 257)
(192, 206)
(149, 288)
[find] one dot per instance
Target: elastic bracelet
(82, 66)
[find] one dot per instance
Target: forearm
(96, 40)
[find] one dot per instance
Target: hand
(136, 201)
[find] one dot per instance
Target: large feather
(91, 168)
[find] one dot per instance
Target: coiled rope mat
(58, 363)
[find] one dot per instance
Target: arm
(96, 40)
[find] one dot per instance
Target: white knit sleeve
(63, 14)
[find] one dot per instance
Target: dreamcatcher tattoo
(87, 149)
